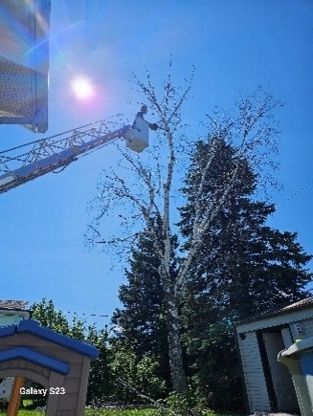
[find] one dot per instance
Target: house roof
(301, 304)
(13, 304)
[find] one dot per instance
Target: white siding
(286, 335)
(306, 329)
(277, 320)
(282, 381)
(253, 373)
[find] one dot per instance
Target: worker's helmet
(144, 109)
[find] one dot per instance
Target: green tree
(244, 264)
(133, 377)
(245, 268)
(142, 321)
(100, 382)
(45, 313)
(99, 386)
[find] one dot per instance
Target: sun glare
(82, 88)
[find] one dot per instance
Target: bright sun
(82, 88)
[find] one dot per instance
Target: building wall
(287, 337)
(253, 373)
(11, 317)
(256, 386)
(306, 326)
(281, 378)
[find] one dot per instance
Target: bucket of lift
(137, 138)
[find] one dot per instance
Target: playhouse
(11, 312)
(56, 362)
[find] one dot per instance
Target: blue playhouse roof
(36, 358)
(32, 327)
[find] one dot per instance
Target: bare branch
(155, 403)
(145, 175)
(118, 239)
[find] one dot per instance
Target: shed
(268, 384)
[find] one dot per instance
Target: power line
(85, 314)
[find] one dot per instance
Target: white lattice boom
(24, 63)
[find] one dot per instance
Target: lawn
(108, 412)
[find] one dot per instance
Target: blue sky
(234, 45)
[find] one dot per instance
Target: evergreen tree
(245, 267)
(142, 321)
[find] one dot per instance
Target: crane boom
(29, 161)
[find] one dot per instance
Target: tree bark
(174, 341)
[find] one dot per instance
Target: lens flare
(82, 88)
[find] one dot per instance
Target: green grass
(109, 412)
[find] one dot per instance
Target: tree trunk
(176, 358)
(174, 343)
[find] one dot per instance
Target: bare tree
(148, 189)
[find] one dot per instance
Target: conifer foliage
(245, 267)
(141, 322)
